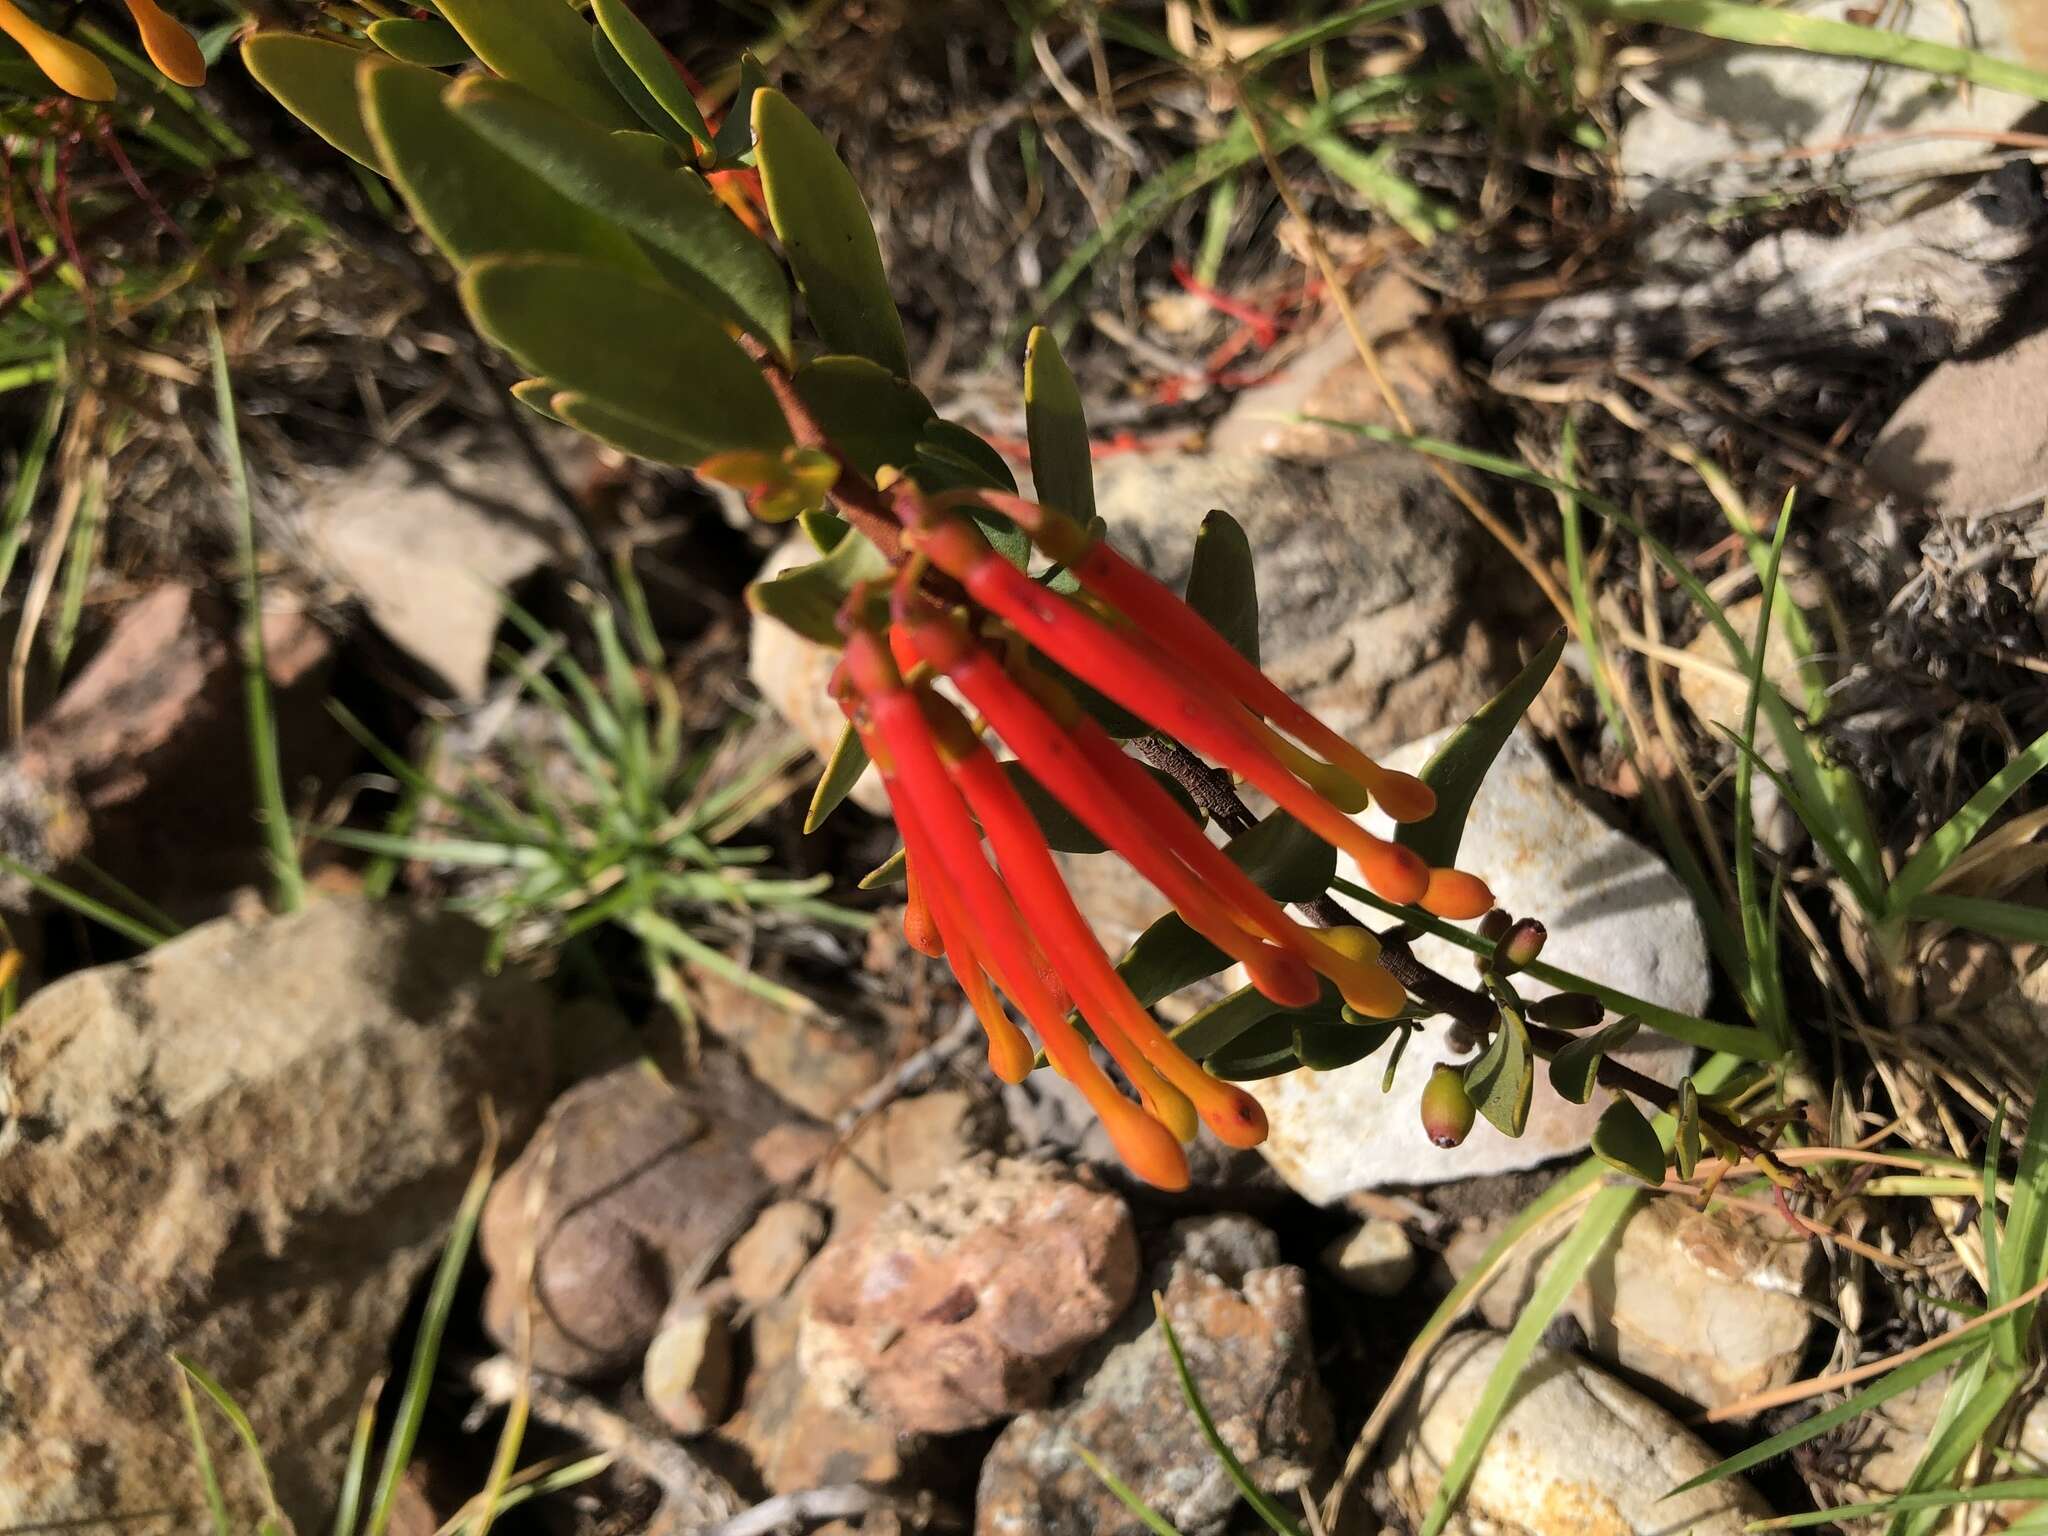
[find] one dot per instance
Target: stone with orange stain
(1575, 1454)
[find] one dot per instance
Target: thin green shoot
(202, 1460)
(273, 1519)
(1277, 1519)
(272, 808)
(131, 929)
(1758, 922)
(1125, 1495)
(348, 1507)
(28, 478)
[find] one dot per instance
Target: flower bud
(1568, 1010)
(1521, 945)
(1447, 1111)
(1494, 926)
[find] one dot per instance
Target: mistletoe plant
(638, 258)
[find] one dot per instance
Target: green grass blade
(28, 478)
(659, 932)
(1144, 1513)
(1954, 836)
(2016, 1489)
(1276, 1518)
(1974, 1402)
(1595, 1229)
(2000, 919)
(1373, 177)
(2024, 1253)
(426, 1352)
(129, 928)
(78, 563)
(1759, 923)
(382, 871)
(439, 850)
(272, 809)
(1769, 27)
(348, 1509)
(1330, 28)
(202, 1460)
(244, 1431)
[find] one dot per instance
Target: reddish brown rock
(686, 1376)
(1242, 1318)
(765, 1262)
(905, 1148)
(819, 1063)
(798, 1436)
(959, 1306)
(616, 1200)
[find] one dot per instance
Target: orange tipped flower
(74, 70)
(169, 46)
(920, 931)
(920, 792)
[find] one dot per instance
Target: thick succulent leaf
(472, 198)
(952, 458)
(824, 529)
(849, 760)
(651, 67)
(1264, 1050)
(537, 395)
(1330, 1045)
(711, 255)
(871, 416)
(1222, 584)
(888, 872)
(1573, 1069)
(543, 45)
(823, 223)
(314, 79)
(1062, 472)
(428, 42)
(641, 352)
(1170, 955)
(1625, 1140)
(1215, 1026)
(1460, 764)
(734, 141)
(619, 74)
(807, 598)
(625, 433)
(1502, 1079)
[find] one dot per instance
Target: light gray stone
(244, 1146)
(1715, 126)
(1615, 915)
(1377, 1259)
(1575, 1454)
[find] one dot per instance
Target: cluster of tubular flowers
(1011, 924)
(78, 71)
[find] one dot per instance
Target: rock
(818, 1063)
(1965, 442)
(1716, 126)
(799, 1435)
(131, 764)
(1576, 1453)
(1368, 575)
(1615, 913)
(431, 543)
(961, 1305)
(792, 673)
(765, 1262)
(1719, 697)
(1242, 1318)
(1330, 380)
(905, 1149)
(686, 1375)
(245, 1146)
(1887, 1443)
(614, 1203)
(1709, 1306)
(1377, 1259)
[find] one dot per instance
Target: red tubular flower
(920, 792)
(1027, 866)
(1137, 677)
(1081, 766)
(920, 930)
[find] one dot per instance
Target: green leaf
(619, 75)
(1949, 841)
(1975, 1400)
(1214, 1027)
(543, 45)
(1459, 766)
(1062, 469)
(651, 66)
(314, 79)
(950, 457)
(1686, 1145)
(823, 529)
(244, 1431)
(645, 353)
(537, 395)
(734, 141)
(1501, 1079)
(1623, 1140)
(1223, 583)
(1063, 830)
(824, 227)
(710, 255)
(429, 43)
(1264, 1050)
(888, 872)
(1574, 1068)
(2000, 919)
(2023, 1255)
(1327, 1045)
(871, 416)
(473, 199)
(202, 1459)
(849, 760)
(578, 410)
(807, 598)
(1592, 1233)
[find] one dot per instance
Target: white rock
(1378, 1258)
(1615, 915)
(1716, 125)
(1576, 1454)
(432, 555)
